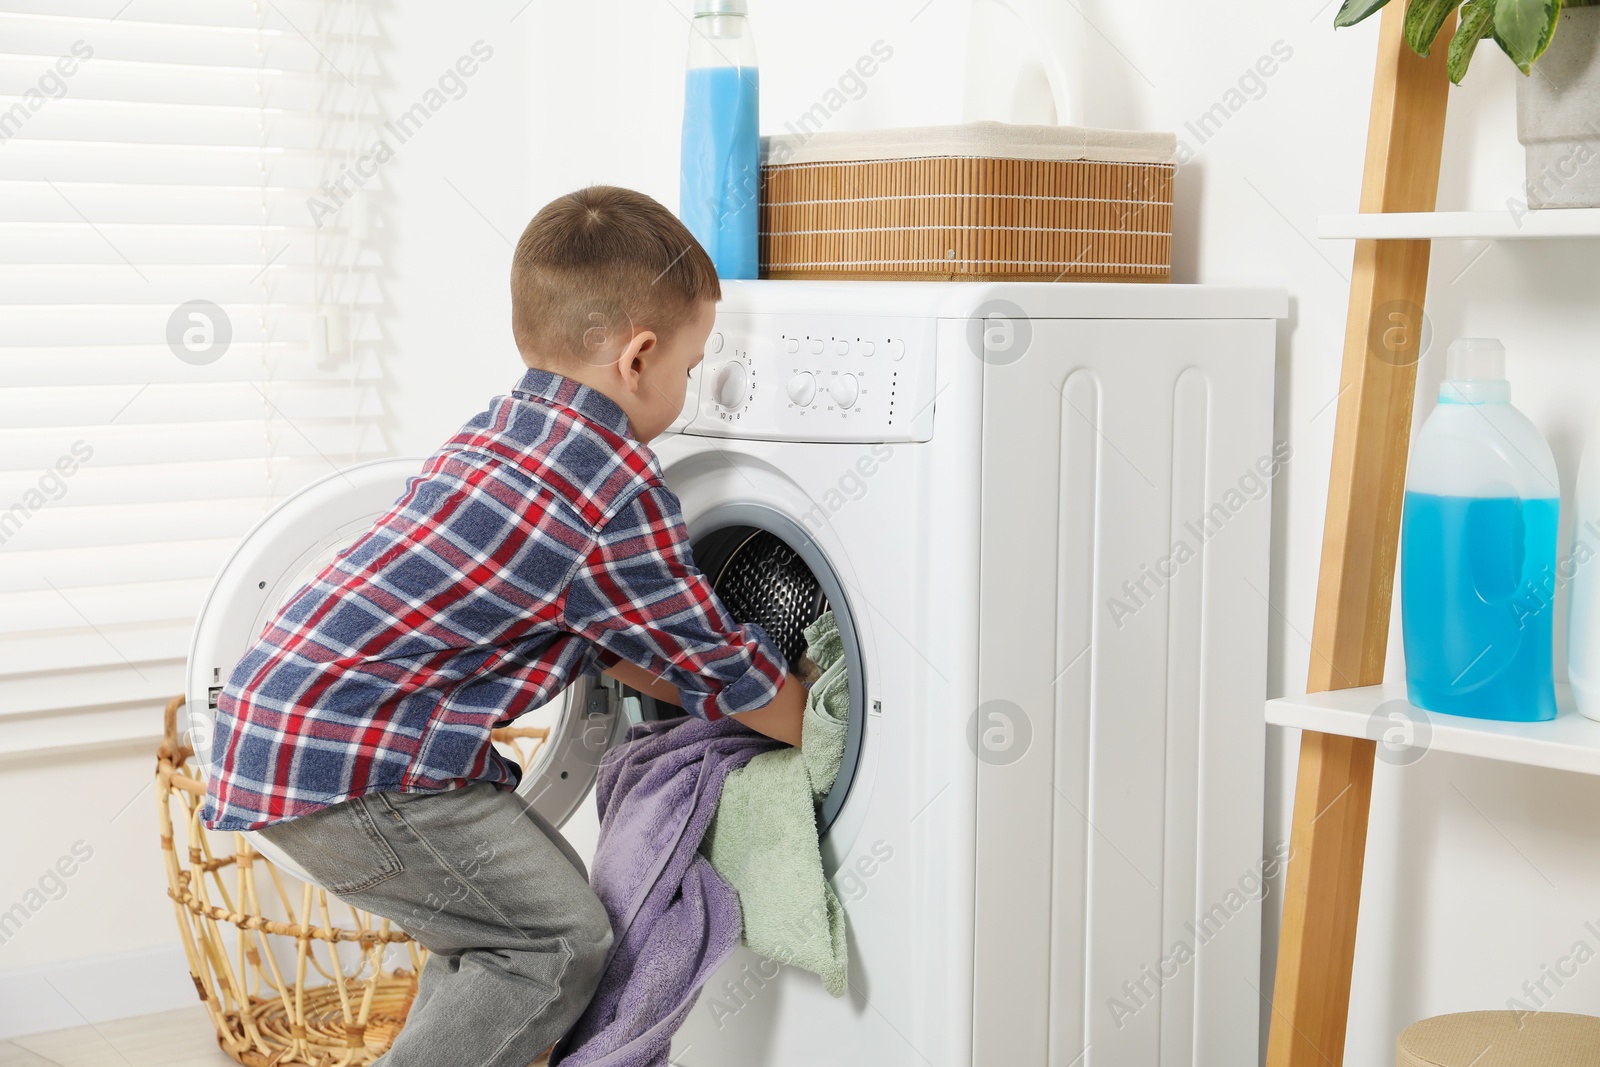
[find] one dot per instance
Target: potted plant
(1558, 103)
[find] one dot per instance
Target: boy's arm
(639, 598)
(636, 677)
(779, 720)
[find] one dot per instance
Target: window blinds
(183, 341)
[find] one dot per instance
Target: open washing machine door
(295, 541)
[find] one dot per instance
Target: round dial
(802, 388)
(729, 385)
(844, 390)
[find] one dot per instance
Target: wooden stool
(1501, 1039)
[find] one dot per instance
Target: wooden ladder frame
(1383, 334)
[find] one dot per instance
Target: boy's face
(656, 375)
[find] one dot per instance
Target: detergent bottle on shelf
(1583, 594)
(1478, 549)
(721, 168)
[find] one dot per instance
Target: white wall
(1477, 875)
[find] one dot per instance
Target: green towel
(764, 837)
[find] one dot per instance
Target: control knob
(844, 390)
(729, 385)
(802, 388)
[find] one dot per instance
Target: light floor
(181, 1038)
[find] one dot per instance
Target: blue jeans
(515, 936)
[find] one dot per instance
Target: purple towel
(674, 920)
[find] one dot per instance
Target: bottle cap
(721, 7)
(1475, 359)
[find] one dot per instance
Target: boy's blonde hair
(597, 265)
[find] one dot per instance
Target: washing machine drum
(760, 578)
(760, 574)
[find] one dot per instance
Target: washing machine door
(560, 745)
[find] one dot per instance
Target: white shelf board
(1506, 225)
(1569, 742)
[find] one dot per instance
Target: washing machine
(1041, 513)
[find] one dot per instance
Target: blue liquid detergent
(721, 166)
(1477, 598)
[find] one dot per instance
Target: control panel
(799, 377)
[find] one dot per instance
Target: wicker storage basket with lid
(982, 200)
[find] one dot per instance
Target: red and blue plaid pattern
(537, 545)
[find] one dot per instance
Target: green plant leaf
(1353, 11)
(1523, 28)
(1424, 20)
(1477, 21)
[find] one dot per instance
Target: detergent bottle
(1583, 602)
(1478, 549)
(721, 169)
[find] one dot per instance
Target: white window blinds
(182, 341)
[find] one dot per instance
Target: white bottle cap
(721, 7)
(1475, 359)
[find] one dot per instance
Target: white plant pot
(1558, 115)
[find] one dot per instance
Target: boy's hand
(779, 720)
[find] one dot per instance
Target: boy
(537, 545)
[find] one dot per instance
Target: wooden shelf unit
(1393, 231)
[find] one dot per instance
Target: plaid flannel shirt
(537, 545)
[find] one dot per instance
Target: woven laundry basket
(984, 200)
(1501, 1039)
(290, 975)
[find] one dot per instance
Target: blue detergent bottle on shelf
(1478, 549)
(721, 171)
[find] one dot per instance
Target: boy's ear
(641, 348)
